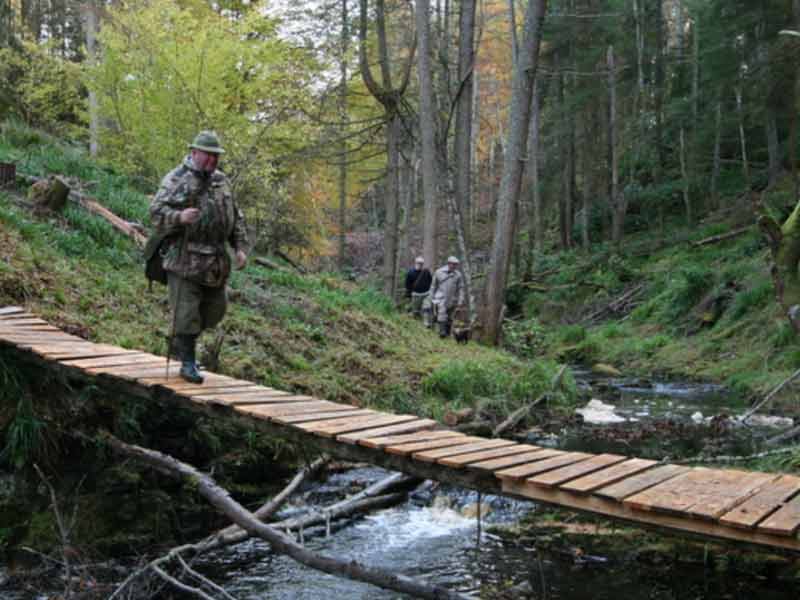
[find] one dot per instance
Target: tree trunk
(472, 198)
(464, 108)
(522, 90)
(743, 140)
(537, 225)
(658, 167)
(589, 185)
(687, 201)
(773, 146)
(343, 115)
(406, 182)
(91, 25)
(618, 203)
(392, 203)
(428, 132)
(715, 173)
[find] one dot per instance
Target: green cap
(207, 141)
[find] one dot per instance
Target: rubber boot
(443, 333)
(188, 370)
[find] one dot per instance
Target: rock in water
(599, 414)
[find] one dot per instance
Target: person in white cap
(447, 294)
(418, 285)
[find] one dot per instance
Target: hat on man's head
(419, 259)
(453, 260)
(207, 141)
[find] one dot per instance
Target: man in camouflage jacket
(195, 215)
(447, 294)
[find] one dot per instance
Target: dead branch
(722, 237)
(521, 413)
(784, 436)
(176, 583)
(298, 267)
(617, 305)
(222, 501)
(770, 396)
(270, 264)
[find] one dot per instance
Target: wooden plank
(78, 350)
(210, 384)
(161, 381)
(435, 455)
(34, 328)
(357, 424)
(542, 466)
(633, 485)
(236, 389)
(768, 500)
(419, 425)
(269, 399)
(16, 323)
(293, 408)
(565, 474)
(496, 464)
(783, 522)
(701, 492)
(147, 365)
(259, 396)
(108, 361)
(342, 415)
(368, 414)
(594, 481)
(10, 310)
(462, 460)
(394, 438)
(411, 447)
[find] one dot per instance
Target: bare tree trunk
(427, 127)
(658, 168)
(715, 173)
(464, 109)
(91, 25)
(687, 201)
(522, 90)
(589, 184)
(618, 201)
(537, 224)
(344, 126)
(390, 97)
(405, 182)
(773, 146)
(743, 140)
(793, 113)
(472, 198)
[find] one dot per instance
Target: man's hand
(241, 259)
(189, 216)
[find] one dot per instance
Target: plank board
(565, 474)
(150, 364)
(81, 350)
(605, 477)
(357, 424)
(462, 460)
(496, 464)
(542, 466)
(108, 361)
(701, 492)
(294, 408)
(10, 310)
(420, 425)
(268, 399)
(435, 455)
(16, 323)
(784, 521)
(411, 447)
(768, 500)
(342, 415)
(211, 384)
(384, 440)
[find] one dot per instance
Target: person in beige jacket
(447, 294)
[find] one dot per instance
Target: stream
(434, 535)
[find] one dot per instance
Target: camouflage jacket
(203, 257)
(447, 287)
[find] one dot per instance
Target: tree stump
(49, 194)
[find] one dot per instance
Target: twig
(786, 435)
(179, 584)
(202, 579)
(222, 501)
(770, 396)
(722, 237)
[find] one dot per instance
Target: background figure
(194, 216)
(418, 285)
(447, 294)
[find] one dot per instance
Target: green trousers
(195, 307)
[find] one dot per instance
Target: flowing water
(434, 535)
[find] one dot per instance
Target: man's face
(451, 266)
(419, 264)
(205, 161)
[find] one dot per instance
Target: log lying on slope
(93, 206)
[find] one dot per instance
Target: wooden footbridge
(755, 508)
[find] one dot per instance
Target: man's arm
(169, 211)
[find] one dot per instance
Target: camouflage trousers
(417, 302)
(195, 307)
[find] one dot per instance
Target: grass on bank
(315, 334)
